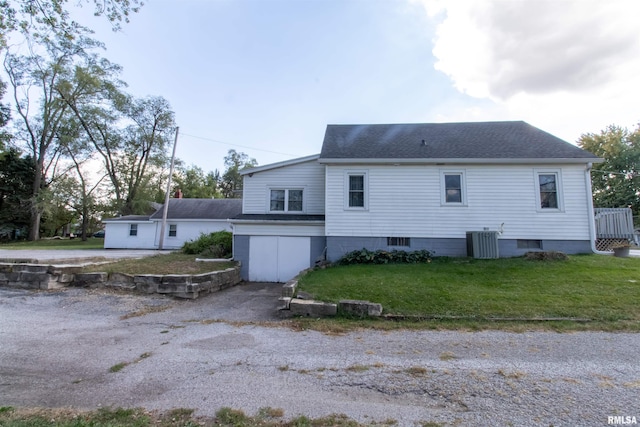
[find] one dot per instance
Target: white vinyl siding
(307, 177)
(406, 200)
(117, 233)
(270, 229)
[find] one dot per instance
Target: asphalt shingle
(474, 140)
(201, 209)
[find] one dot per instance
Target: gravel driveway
(57, 348)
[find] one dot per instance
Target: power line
(238, 145)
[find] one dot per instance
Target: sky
(265, 77)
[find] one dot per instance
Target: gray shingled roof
(201, 209)
(481, 140)
(128, 218)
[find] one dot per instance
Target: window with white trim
(173, 230)
(356, 190)
(549, 190)
(286, 200)
(453, 188)
(133, 229)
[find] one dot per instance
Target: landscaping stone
(121, 279)
(289, 288)
(9, 276)
(31, 268)
(6, 268)
(360, 308)
(147, 283)
(310, 308)
(32, 276)
(303, 295)
(176, 279)
(92, 280)
(285, 303)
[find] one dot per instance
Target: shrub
(365, 256)
(546, 256)
(215, 245)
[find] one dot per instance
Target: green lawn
(65, 243)
(600, 288)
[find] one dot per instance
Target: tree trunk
(34, 229)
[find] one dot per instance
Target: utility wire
(238, 145)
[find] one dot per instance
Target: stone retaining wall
(35, 276)
(292, 306)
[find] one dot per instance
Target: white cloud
(567, 64)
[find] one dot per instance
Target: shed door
(276, 258)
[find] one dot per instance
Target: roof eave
(128, 221)
(190, 219)
(444, 161)
(279, 164)
(276, 221)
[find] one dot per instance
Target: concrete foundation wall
(241, 254)
(339, 246)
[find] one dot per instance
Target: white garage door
(276, 258)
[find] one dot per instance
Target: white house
(187, 219)
(412, 187)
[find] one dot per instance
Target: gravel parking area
(59, 349)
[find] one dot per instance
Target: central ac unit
(482, 244)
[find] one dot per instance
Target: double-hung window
(453, 191)
(548, 190)
(549, 194)
(356, 190)
(133, 229)
(173, 230)
(286, 200)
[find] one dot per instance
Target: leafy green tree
(41, 19)
(195, 184)
(58, 217)
(231, 185)
(616, 181)
(33, 78)
(146, 143)
(5, 115)
(16, 177)
(46, 46)
(83, 196)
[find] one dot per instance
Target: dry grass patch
(416, 371)
(448, 355)
(173, 263)
(357, 368)
(517, 375)
(144, 311)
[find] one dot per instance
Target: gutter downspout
(592, 219)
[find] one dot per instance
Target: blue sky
(265, 77)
